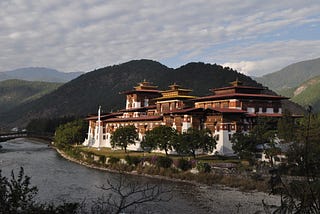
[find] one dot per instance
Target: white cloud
(269, 57)
(83, 35)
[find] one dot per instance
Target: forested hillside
(308, 93)
(291, 76)
(84, 94)
(16, 92)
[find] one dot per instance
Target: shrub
(113, 160)
(203, 167)
(164, 162)
(89, 155)
(133, 160)
(184, 164)
(73, 152)
(102, 159)
(150, 159)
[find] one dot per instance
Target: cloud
(84, 35)
(269, 57)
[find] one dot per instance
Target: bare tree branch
(125, 195)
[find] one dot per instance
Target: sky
(255, 37)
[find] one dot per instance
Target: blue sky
(254, 37)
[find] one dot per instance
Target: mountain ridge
(101, 87)
(39, 74)
(292, 75)
(306, 94)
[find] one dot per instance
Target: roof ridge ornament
(237, 82)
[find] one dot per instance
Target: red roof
(140, 91)
(222, 110)
(239, 86)
(129, 119)
(184, 110)
(240, 95)
(103, 116)
(228, 110)
(139, 109)
(264, 115)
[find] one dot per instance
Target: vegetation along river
(58, 179)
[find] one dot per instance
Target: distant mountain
(291, 76)
(39, 74)
(84, 94)
(4, 76)
(308, 93)
(16, 92)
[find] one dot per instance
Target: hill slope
(292, 75)
(84, 94)
(308, 93)
(39, 74)
(16, 92)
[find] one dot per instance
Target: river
(58, 179)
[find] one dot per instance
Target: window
(146, 102)
(216, 137)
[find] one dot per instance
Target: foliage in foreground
(17, 196)
(301, 195)
(129, 196)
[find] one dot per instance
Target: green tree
(304, 152)
(18, 196)
(149, 141)
(195, 139)
(287, 127)
(264, 130)
(270, 147)
(244, 145)
(124, 136)
(47, 125)
(301, 195)
(263, 133)
(71, 133)
(161, 137)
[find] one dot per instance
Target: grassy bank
(202, 170)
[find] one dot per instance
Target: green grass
(122, 154)
(118, 153)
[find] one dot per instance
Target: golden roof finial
(174, 86)
(236, 82)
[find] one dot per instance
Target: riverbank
(246, 181)
(64, 155)
(219, 202)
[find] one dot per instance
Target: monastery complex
(228, 110)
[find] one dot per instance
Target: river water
(58, 179)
